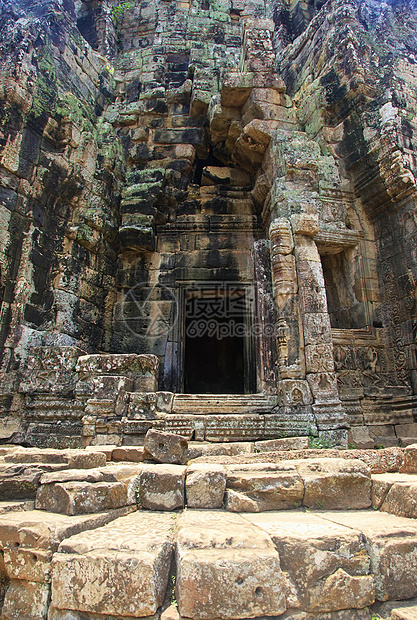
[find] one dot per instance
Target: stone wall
(159, 158)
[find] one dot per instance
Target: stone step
(326, 565)
(253, 487)
(396, 494)
(119, 569)
(295, 565)
(28, 539)
(226, 568)
(379, 461)
(70, 458)
(391, 543)
(223, 403)
(21, 469)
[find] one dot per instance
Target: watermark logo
(215, 310)
(149, 310)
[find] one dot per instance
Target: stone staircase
(220, 531)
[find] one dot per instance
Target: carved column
(293, 388)
(319, 361)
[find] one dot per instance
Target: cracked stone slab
(389, 540)
(29, 539)
(121, 568)
(326, 565)
(226, 568)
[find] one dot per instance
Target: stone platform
(300, 537)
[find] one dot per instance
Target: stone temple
(207, 220)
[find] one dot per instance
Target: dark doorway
(214, 360)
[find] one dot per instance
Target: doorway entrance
(217, 342)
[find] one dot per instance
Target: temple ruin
(207, 221)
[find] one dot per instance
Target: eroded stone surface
(165, 447)
(401, 499)
(388, 541)
(227, 568)
(72, 498)
(321, 574)
(205, 486)
(335, 483)
(28, 540)
(269, 487)
(161, 487)
(121, 568)
(26, 599)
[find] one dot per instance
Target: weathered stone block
(388, 541)
(335, 483)
(271, 487)
(326, 566)
(294, 392)
(226, 569)
(51, 369)
(165, 447)
(401, 499)
(286, 443)
(72, 498)
(128, 453)
(410, 460)
(142, 369)
(72, 459)
(120, 569)
(161, 487)
(205, 486)
(26, 600)
(319, 358)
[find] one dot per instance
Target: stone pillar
(331, 419)
(293, 388)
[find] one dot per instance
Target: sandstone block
(99, 474)
(74, 459)
(133, 454)
(227, 568)
(119, 569)
(305, 224)
(326, 565)
(335, 483)
(205, 486)
(20, 481)
(381, 484)
(272, 487)
(196, 449)
(287, 443)
(165, 447)
(72, 614)
(29, 539)
(347, 614)
(410, 460)
(401, 499)
(239, 502)
(398, 610)
(107, 450)
(389, 540)
(161, 487)
(142, 369)
(26, 600)
(72, 498)
(359, 436)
